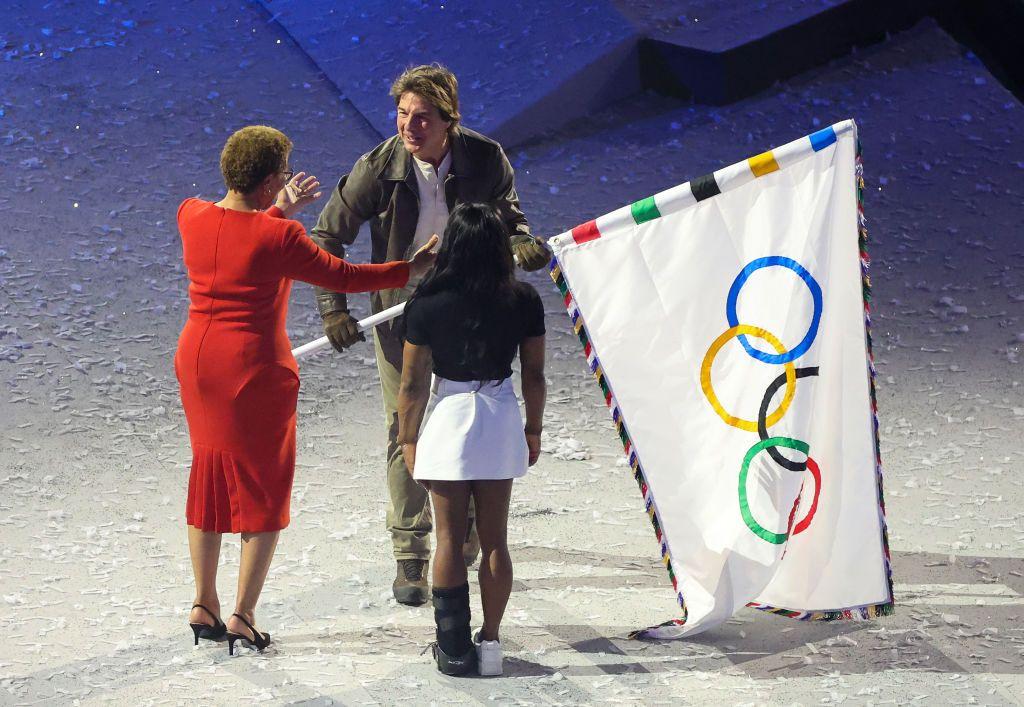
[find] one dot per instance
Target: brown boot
(410, 585)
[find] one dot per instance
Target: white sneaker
(488, 655)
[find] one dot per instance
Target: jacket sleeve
(300, 258)
(352, 203)
(505, 199)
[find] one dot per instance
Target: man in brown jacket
(405, 187)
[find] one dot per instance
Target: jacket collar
(398, 167)
(462, 164)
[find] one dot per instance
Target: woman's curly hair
(251, 154)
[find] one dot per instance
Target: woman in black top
(466, 321)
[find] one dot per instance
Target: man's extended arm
(352, 203)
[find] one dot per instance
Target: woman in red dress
(239, 381)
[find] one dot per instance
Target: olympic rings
(748, 517)
(709, 391)
(812, 285)
(764, 419)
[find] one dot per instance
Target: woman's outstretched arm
(301, 259)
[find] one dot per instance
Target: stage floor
(110, 116)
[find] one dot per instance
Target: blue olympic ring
(812, 285)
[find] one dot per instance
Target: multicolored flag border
(677, 199)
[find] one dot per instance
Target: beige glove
(342, 330)
(531, 252)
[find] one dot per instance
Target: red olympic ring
(800, 527)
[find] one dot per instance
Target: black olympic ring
(762, 414)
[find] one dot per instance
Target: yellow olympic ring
(709, 391)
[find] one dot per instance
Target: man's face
(422, 129)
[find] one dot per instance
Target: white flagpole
(364, 324)
(371, 321)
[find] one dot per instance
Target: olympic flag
(727, 322)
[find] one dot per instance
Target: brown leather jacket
(382, 189)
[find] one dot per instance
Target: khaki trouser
(409, 518)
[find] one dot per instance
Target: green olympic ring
(748, 517)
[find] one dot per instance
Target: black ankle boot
(448, 665)
(454, 651)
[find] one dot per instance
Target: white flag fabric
(727, 323)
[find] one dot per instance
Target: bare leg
(204, 548)
(495, 574)
(257, 552)
(451, 508)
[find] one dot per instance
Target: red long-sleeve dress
(239, 381)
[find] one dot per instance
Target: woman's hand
(533, 445)
(423, 259)
(298, 193)
(409, 452)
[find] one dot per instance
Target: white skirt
(473, 431)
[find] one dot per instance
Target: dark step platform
(523, 67)
(528, 68)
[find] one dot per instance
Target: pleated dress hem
(214, 503)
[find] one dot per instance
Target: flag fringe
(620, 425)
(887, 608)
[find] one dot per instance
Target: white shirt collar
(427, 169)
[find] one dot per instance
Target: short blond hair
(252, 154)
(435, 84)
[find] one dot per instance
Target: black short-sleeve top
(474, 338)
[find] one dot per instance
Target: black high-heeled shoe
(259, 640)
(210, 633)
